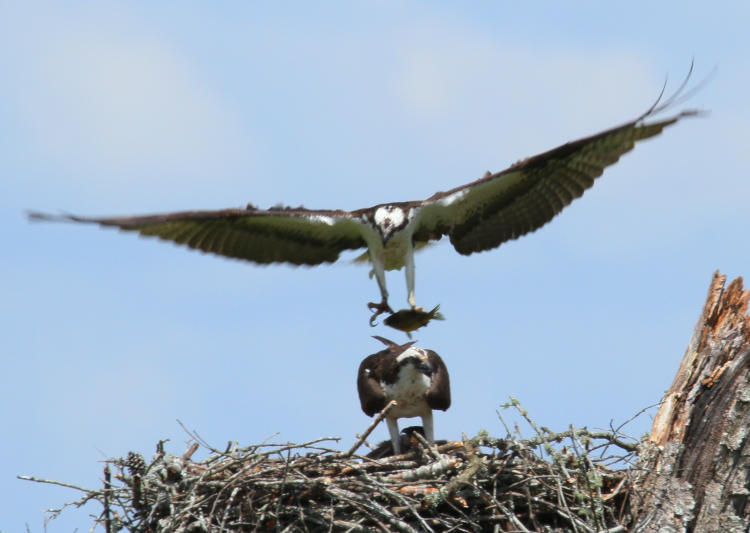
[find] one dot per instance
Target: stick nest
(576, 480)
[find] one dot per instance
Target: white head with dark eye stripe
(389, 219)
(417, 359)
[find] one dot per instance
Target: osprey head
(388, 219)
(417, 359)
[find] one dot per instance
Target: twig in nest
(107, 490)
(430, 448)
(189, 453)
(305, 487)
(369, 430)
(53, 482)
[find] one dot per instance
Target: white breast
(408, 390)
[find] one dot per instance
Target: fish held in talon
(408, 320)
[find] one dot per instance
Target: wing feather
(521, 199)
(295, 236)
(371, 395)
(438, 396)
(478, 216)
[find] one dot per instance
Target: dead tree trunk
(693, 474)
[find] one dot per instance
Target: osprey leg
(410, 268)
(378, 270)
(429, 428)
(395, 437)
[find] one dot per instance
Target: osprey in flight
(416, 378)
(477, 216)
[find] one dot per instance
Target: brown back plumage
(382, 367)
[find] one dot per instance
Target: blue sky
(125, 108)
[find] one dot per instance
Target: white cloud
(451, 74)
(126, 101)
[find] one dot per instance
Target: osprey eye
(424, 368)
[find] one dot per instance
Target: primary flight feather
(477, 216)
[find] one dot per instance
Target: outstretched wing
(508, 204)
(297, 236)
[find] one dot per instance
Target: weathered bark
(693, 474)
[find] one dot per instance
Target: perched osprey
(478, 216)
(416, 378)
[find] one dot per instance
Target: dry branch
(694, 472)
(478, 484)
